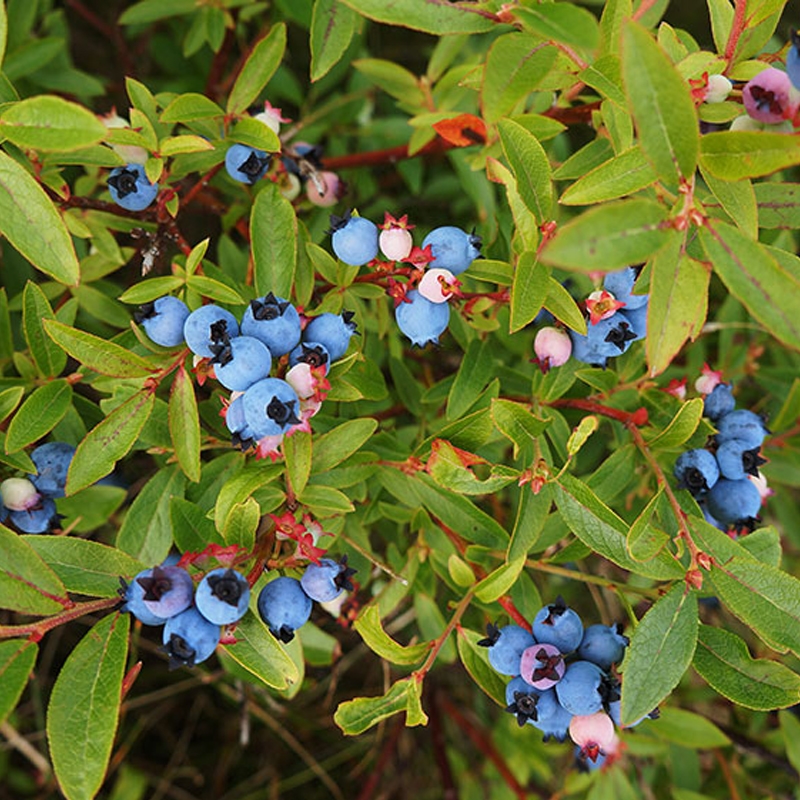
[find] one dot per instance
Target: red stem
(736, 30)
(636, 418)
(36, 630)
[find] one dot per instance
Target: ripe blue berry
(133, 594)
(696, 470)
(130, 188)
(793, 60)
(637, 319)
(603, 645)
(38, 519)
(354, 239)
(52, 462)
(189, 638)
(452, 248)
(421, 320)
(332, 331)
(620, 284)
(207, 326)
(284, 607)
(537, 707)
(558, 625)
(734, 503)
(314, 354)
(579, 691)
(719, 402)
(274, 321)
(163, 320)
(240, 362)
(506, 646)
(737, 461)
(222, 597)
(744, 425)
(237, 424)
(167, 590)
(270, 407)
(325, 581)
(246, 164)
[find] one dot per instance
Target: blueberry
(421, 320)
(744, 425)
(207, 326)
(637, 319)
(246, 164)
(737, 461)
(580, 690)
(240, 362)
(506, 646)
(719, 402)
(167, 590)
(270, 407)
(452, 248)
(332, 331)
(768, 96)
(696, 470)
(274, 321)
(133, 594)
(354, 239)
(163, 320)
(314, 354)
(537, 707)
(189, 638)
(52, 462)
(130, 188)
(284, 607)
(237, 424)
(793, 60)
(586, 351)
(222, 596)
(542, 666)
(734, 503)
(603, 645)
(38, 519)
(607, 338)
(620, 284)
(558, 625)
(325, 581)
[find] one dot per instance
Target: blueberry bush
(399, 397)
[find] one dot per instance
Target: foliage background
(216, 732)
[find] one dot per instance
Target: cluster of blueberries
(720, 475)
(193, 619)
(262, 409)
(616, 318)
(29, 503)
(561, 679)
(299, 166)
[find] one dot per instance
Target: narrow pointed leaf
(438, 17)
(375, 637)
(529, 290)
(273, 230)
(622, 175)
(359, 715)
(17, 657)
(333, 25)
(184, 424)
(259, 67)
(38, 415)
(733, 155)
(49, 358)
(531, 168)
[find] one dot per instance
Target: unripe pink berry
(718, 89)
(437, 285)
(19, 494)
(767, 97)
(552, 346)
(396, 244)
(594, 731)
(324, 189)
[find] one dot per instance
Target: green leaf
(3, 31)
(624, 174)
(678, 304)
(738, 200)
(778, 204)
(516, 422)
(790, 728)
(46, 122)
(297, 453)
(333, 25)
(30, 221)
(175, 145)
(438, 17)
(240, 486)
(17, 657)
(756, 279)
(273, 231)
(644, 541)
(661, 649)
(724, 662)
(562, 22)
(27, 583)
(609, 237)
(189, 107)
(474, 373)
(85, 567)
(96, 353)
(325, 501)
(562, 306)
(154, 10)
(84, 705)
(763, 597)
(515, 64)
(688, 729)
(662, 105)
(359, 715)
(599, 528)
(369, 628)
(529, 290)
(446, 467)
(192, 530)
(733, 155)
(393, 79)
(151, 289)
(184, 424)
(146, 533)
(241, 524)
(9, 400)
(260, 653)
(109, 441)
(215, 290)
(259, 67)
(476, 663)
(531, 168)
(500, 581)
(49, 358)
(681, 426)
(39, 414)
(340, 443)
(460, 572)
